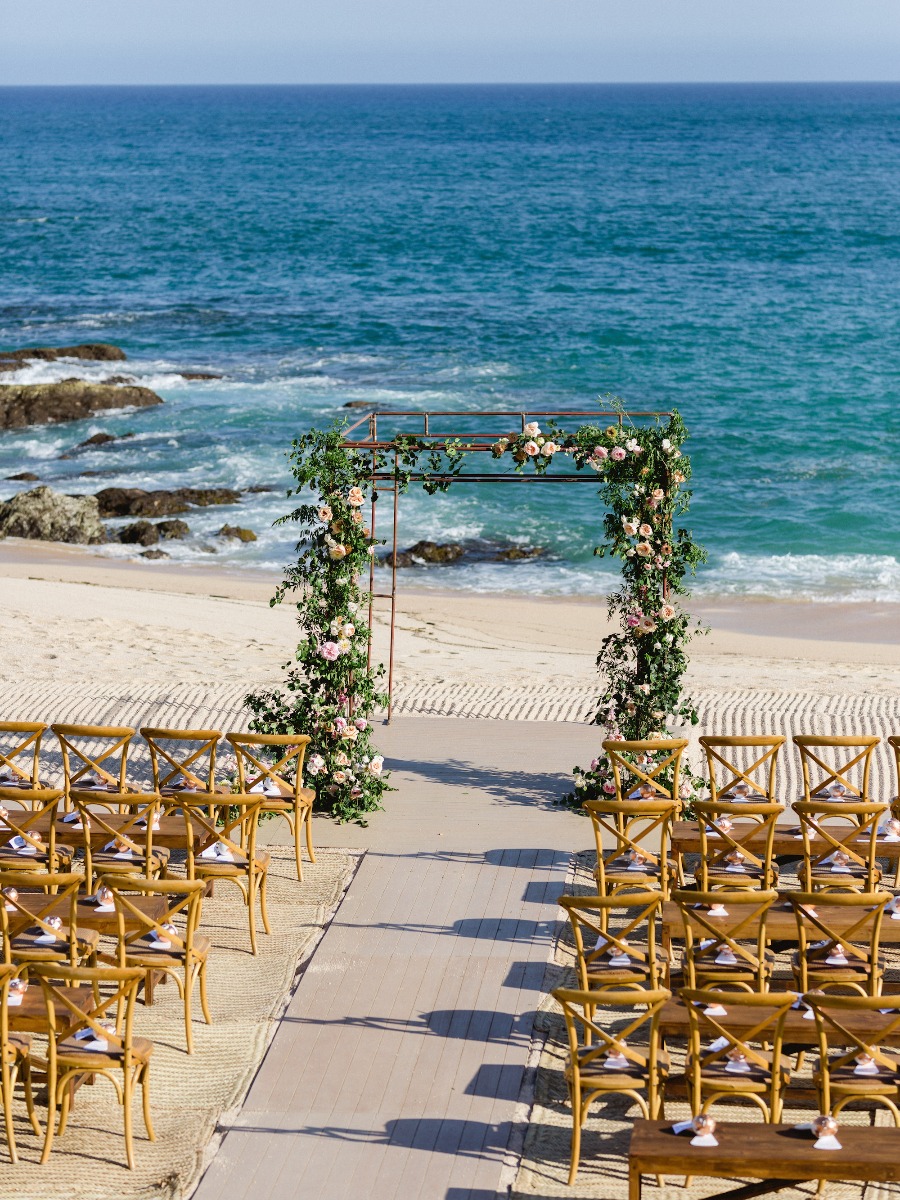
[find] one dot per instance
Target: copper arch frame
(471, 442)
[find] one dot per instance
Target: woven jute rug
(189, 1093)
(603, 1172)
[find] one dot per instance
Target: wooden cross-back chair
(95, 760)
(737, 1065)
(635, 763)
(222, 846)
(28, 830)
(638, 857)
(182, 759)
(111, 1050)
(840, 926)
(826, 761)
(19, 739)
(15, 1064)
(728, 950)
(841, 1030)
(894, 743)
(635, 1068)
(726, 773)
(847, 828)
(145, 943)
(739, 852)
(28, 936)
(281, 781)
(628, 958)
(120, 843)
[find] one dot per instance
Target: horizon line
(8, 87)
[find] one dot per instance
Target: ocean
(732, 251)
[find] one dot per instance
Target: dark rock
(68, 400)
(199, 375)
(154, 554)
(260, 487)
(96, 439)
(91, 474)
(119, 379)
(428, 552)
(141, 533)
(135, 502)
(359, 404)
(52, 517)
(515, 553)
(25, 477)
(235, 531)
(207, 549)
(172, 529)
(94, 351)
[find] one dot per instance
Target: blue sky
(452, 41)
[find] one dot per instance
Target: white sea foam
(832, 578)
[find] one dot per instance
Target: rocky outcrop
(199, 375)
(235, 531)
(154, 554)
(68, 400)
(426, 553)
(52, 517)
(172, 529)
(11, 360)
(135, 502)
(148, 533)
(25, 477)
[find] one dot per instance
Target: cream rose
(629, 528)
(644, 549)
(549, 449)
(667, 612)
(325, 514)
(337, 552)
(531, 449)
(532, 429)
(645, 530)
(355, 497)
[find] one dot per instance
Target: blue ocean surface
(732, 251)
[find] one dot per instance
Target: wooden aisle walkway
(398, 1066)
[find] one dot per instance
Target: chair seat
(72, 1054)
(707, 966)
(601, 970)
(26, 945)
(220, 866)
(819, 967)
(854, 872)
(11, 861)
(748, 877)
(107, 861)
(845, 1082)
(757, 1079)
(146, 953)
(619, 1078)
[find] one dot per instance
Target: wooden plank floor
(398, 1066)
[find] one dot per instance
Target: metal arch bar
(477, 443)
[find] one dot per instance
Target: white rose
(348, 630)
(666, 445)
(629, 528)
(376, 765)
(531, 449)
(549, 449)
(646, 530)
(532, 429)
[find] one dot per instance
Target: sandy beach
(69, 615)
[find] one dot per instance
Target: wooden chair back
(827, 762)
(23, 813)
(741, 938)
(182, 758)
(95, 753)
(654, 763)
(894, 743)
(748, 832)
(636, 939)
(706, 1023)
(726, 772)
(631, 825)
(183, 898)
(841, 1026)
(17, 737)
(860, 934)
(128, 833)
(284, 775)
(65, 1018)
(56, 891)
(843, 827)
(236, 835)
(583, 1026)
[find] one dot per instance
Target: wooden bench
(779, 1155)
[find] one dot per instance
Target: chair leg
(145, 1101)
(309, 841)
(262, 902)
(7, 1090)
(295, 830)
(29, 1097)
(576, 1138)
(204, 1004)
(188, 1035)
(127, 1092)
(251, 909)
(51, 1119)
(68, 1092)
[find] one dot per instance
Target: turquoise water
(730, 250)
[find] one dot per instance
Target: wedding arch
(333, 689)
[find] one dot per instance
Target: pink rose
(340, 723)
(595, 763)
(329, 651)
(361, 723)
(610, 788)
(617, 454)
(601, 452)
(632, 622)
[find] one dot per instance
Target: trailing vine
(330, 691)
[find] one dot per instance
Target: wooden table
(686, 840)
(31, 1015)
(87, 916)
(778, 1154)
(781, 924)
(798, 1031)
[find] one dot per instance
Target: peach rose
(355, 497)
(644, 549)
(531, 449)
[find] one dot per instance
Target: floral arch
(332, 688)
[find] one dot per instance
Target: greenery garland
(331, 692)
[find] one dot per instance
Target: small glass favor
(893, 907)
(725, 824)
(718, 910)
(704, 1127)
(17, 989)
(825, 1130)
(104, 897)
(11, 894)
(837, 791)
(840, 861)
(735, 861)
